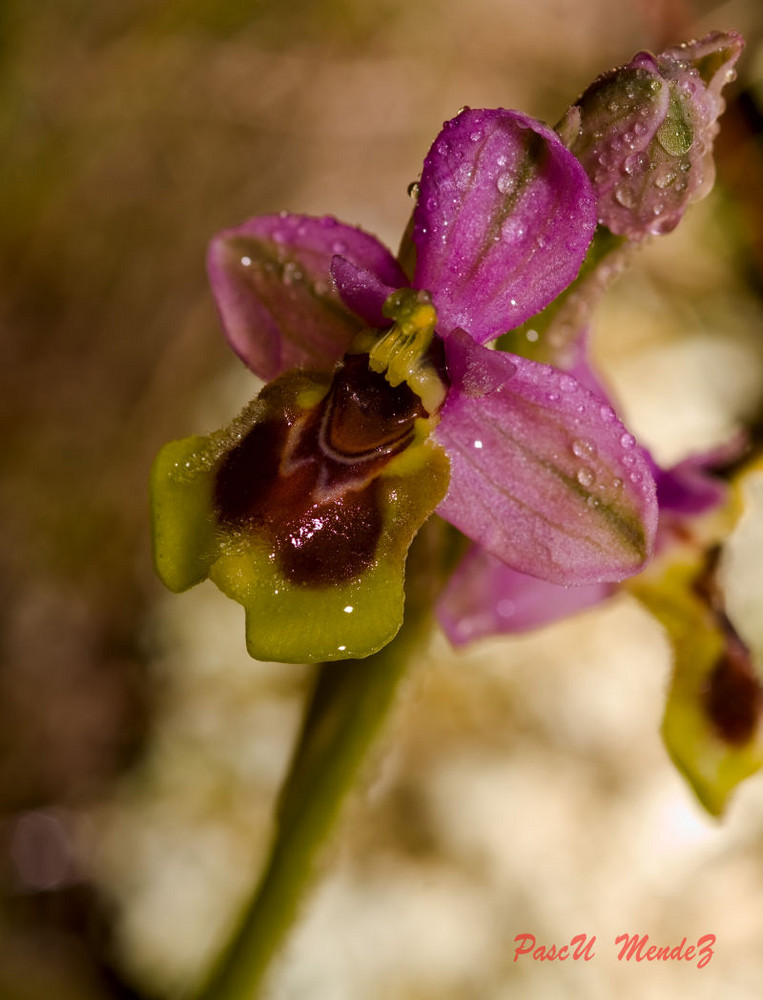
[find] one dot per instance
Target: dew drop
(627, 441)
(666, 179)
(625, 196)
(511, 230)
(506, 183)
(635, 477)
(463, 175)
(585, 476)
(583, 449)
(553, 397)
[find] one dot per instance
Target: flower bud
(644, 133)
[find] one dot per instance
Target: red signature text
(581, 946)
(638, 948)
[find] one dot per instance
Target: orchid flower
(384, 404)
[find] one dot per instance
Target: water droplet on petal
(511, 230)
(585, 476)
(666, 179)
(625, 196)
(583, 449)
(506, 183)
(627, 440)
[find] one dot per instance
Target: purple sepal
(543, 474)
(272, 284)
(362, 291)
(504, 218)
(484, 597)
(688, 488)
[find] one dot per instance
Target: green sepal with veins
(347, 614)
(711, 726)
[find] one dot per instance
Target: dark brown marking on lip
(733, 697)
(311, 485)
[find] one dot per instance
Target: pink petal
(272, 283)
(543, 474)
(503, 221)
(362, 291)
(486, 597)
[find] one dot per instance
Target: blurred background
(522, 786)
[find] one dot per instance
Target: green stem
(350, 702)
